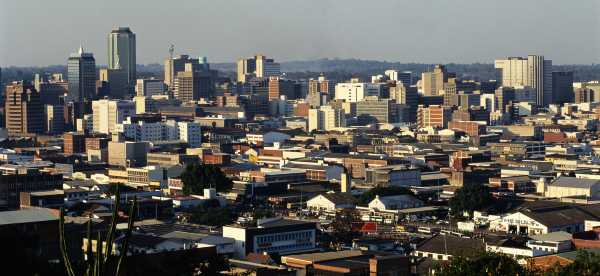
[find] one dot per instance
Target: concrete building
(81, 73)
(149, 87)
(433, 82)
(116, 80)
(321, 85)
(326, 118)
(127, 154)
(274, 235)
(23, 110)
(562, 87)
(189, 132)
(192, 85)
(435, 116)
(258, 66)
(408, 96)
(177, 64)
(565, 186)
(15, 179)
(54, 119)
(374, 109)
(122, 53)
(392, 176)
(330, 202)
(355, 91)
(533, 71)
(73, 143)
(396, 202)
(108, 113)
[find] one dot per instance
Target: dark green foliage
(260, 213)
(368, 196)
(586, 264)
(342, 231)
(470, 197)
(213, 216)
(486, 264)
(196, 177)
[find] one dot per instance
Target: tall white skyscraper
(533, 71)
(121, 52)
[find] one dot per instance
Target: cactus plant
(95, 265)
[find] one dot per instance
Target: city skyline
(404, 31)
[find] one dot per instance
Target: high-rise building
(23, 110)
(258, 66)
(533, 71)
(73, 142)
(408, 96)
(377, 110)
(149, 87)
(399, 77)
(504, 97)
(116, 79)
(321, 85)
(177, 64)
(433, 82)
(488, 101)
(326, 118)
(108, 113)
(191, 85)
(355, 91)
(81, 73)
(562, 87)
(54, 118)
(281, 87)
(121, 53)
(435, 116)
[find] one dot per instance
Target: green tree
(485, 264)
(369, 195)
(196, 177)
(213, 216)
(342, 230)
(469, 198)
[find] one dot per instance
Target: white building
(189, 132)
(149, 87)
(396, 202)
(274, 235)
(355, 91)
(532, 71)
(331, 201)
(326, 118)
(108, 113)
(269, 137)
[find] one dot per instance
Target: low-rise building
(275, 235)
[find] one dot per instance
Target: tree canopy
(369, 195)
(470, 197)
(196, 177)
(486, 264)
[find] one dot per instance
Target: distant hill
(338, 69)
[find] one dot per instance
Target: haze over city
(36, 32)
(300, 138)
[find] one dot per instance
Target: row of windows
(284, 237)
(287, 247)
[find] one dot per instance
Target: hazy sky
(42, 32)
